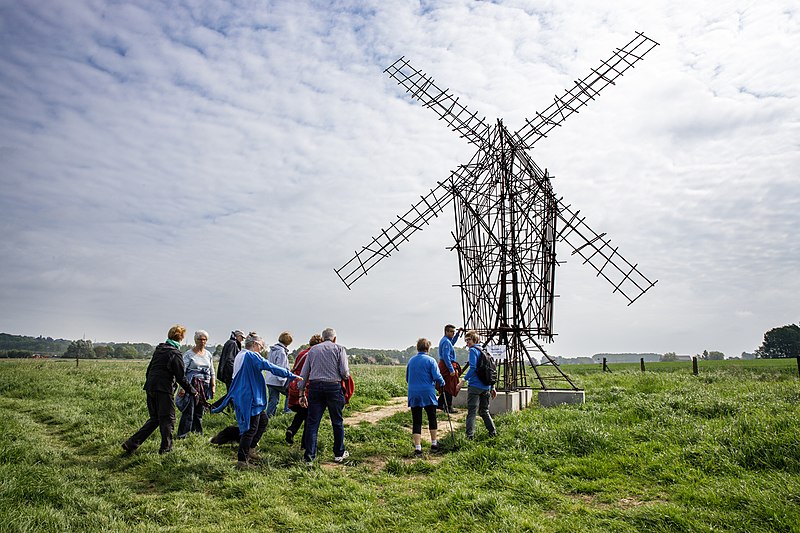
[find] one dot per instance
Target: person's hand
(298, 378)
(464, 382)
(494, 394)
(453, 373)
(181, 393)
(303, 402)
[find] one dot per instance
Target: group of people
(318, 380)
(323, 366)
(423, 374)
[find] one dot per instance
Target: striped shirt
(326, 361)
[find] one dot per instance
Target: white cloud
(211, 163)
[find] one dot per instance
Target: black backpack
(486, 368)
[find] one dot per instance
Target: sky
(210, 163)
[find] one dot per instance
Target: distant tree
(748, 355)
(102, 352)
(15, 354)
(714, 355)
(125, 351)
(669, 356)
(780, 342)
(80, 349)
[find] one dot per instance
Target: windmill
(508, 221)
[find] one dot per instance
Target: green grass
(659, 451)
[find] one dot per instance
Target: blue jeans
(274, 398)
(192, 417)
(478, 404)
(322, 395)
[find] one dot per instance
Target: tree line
(778, 342)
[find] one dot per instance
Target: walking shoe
(344, 456)
(452, 411)
(417, 453)
(243, 465)
(253, 454)
(289, 437)
(434, 448)
(128, 447)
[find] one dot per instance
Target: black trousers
(445, 399)
(416, 418)
(250, 438)
(162, 416)
(300, 415)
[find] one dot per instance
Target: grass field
(659, 451)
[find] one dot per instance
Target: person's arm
(177, 369)
(437, 376)
(344, 366)
(473, 362)
(445, 351)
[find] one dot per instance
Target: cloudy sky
(211, 162)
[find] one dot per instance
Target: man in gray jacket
(323, 372)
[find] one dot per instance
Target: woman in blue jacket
(249, 395)
(422, 374)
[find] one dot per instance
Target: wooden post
(694, 366)
(605, 366)
(798, 365)
(641, 363)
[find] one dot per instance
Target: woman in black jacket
(165, 368)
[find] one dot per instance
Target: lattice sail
(585, 89)
(596, 251)
(444, 103)
(398, 232)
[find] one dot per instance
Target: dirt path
(398, 404)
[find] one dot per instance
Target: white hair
(253, 339)
(328, 334)
(200, 333)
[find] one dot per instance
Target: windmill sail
(585, 90)
(444, 103)
(398, 232)
(596, 250)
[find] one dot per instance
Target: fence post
(641, 363)
(605, 366)
(798, 365)
(694, 366)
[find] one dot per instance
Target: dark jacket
(165, 368)
(229, 351)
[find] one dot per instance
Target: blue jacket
(421, 373)
(471, 376)
(446, 351)
(249, 389)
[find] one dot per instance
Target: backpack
(486, 368)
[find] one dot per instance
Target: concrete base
(505, 402)
(551, 398)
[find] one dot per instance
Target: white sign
(497, 351)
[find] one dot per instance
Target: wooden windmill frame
(508, 221)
